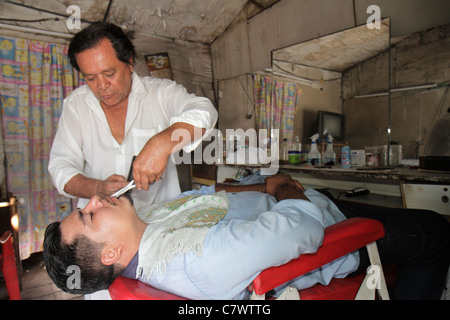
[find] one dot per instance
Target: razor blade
(122, 191)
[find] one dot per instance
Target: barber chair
(339, 240)
(8, 266)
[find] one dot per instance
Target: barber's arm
(67, 161)
(147, 168)
(191, 119)
(151, 162)
(85, 187)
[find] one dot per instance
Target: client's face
(102, 220)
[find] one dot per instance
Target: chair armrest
(339, 240)
(7, 245)
(5, 237)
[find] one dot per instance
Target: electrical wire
(30, 21)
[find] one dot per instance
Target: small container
(294, 157)
(303, 157)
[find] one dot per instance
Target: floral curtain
(276, 104)
(35, 77)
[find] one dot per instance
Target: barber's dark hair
(82, 253)
(92, 35)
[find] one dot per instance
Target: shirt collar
(137, 87)
(130, 270)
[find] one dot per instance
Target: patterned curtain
(276, 104)
(35, 78)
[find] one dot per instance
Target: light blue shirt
(256, 233)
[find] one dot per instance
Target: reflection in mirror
(377, 82)
(320, 66)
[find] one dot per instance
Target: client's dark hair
(91, 36)
(82, 253)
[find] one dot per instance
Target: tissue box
(358, 158)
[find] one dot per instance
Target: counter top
(397, 173)
(393, 174)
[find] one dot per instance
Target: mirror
(336, 52)
(327, 69)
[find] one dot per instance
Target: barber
(118, 115)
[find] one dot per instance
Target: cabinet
(434, 197)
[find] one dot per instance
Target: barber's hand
(109, 186)
(273, 183)
(151, 163)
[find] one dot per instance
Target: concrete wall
(190, 62)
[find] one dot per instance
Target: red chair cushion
(339, 240)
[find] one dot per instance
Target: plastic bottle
(329, 155)
(294, 151)
(284, 150)
(345, 156)
(297, 146)
(314, 156)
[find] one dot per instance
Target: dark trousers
(417, 241)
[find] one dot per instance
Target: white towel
(179, 226)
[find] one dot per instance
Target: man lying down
(206, 244)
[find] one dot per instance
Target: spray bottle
(314, 154)
(329, 155)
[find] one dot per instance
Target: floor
(36, 284)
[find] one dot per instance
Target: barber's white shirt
(84, 142)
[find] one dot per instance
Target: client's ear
(111, 254)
